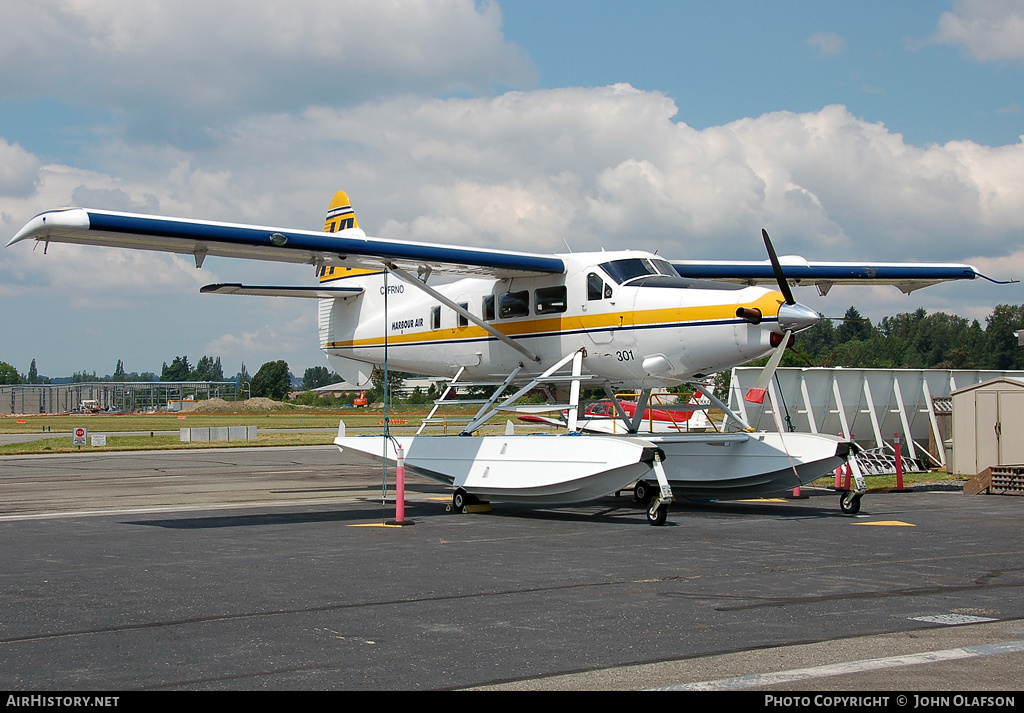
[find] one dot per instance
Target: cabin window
(487, 308)
(435, 317)
(514, 304)
(596, 288)
(549, 300)
(463, 322)
(624, 270)
(664, 267)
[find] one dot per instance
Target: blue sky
(721, 61)
(883, 131)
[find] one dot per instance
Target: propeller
(780, 276)
(756, 394)
(795, 315)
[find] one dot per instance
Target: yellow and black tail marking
(326, 274)
(340, 215)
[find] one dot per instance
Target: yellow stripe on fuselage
(577, 323)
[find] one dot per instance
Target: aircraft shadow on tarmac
(623, 510)
(362, 514)
(614, 511)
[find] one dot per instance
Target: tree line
(914, 340)
(273, 379)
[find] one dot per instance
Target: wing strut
(405, 275)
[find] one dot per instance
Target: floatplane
(617, 320)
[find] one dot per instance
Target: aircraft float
(617, 320)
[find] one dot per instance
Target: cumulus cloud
(988, 30)
(176, 69)
(19, 170)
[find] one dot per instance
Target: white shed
(988, 426)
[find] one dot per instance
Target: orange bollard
(400, 491)
(899, 467)
(400, 487)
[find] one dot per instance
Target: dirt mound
(222, 406)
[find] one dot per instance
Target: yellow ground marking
(887, 523)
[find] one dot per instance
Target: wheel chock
(475, 507)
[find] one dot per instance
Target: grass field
(121, 423)
(403, 420)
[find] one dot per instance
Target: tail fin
(340, 215)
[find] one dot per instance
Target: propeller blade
(756, 394)
(780, 276)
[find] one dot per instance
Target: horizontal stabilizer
(280, 291)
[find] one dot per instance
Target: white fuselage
(640, 325)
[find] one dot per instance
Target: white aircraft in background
(619, 320)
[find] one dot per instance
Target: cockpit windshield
(622, 271)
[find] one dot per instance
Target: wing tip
(41, 225)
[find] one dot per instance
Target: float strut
(659, 505)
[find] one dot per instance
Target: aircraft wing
(906, 276)
(346, 248)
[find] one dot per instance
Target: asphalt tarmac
(270, 569)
